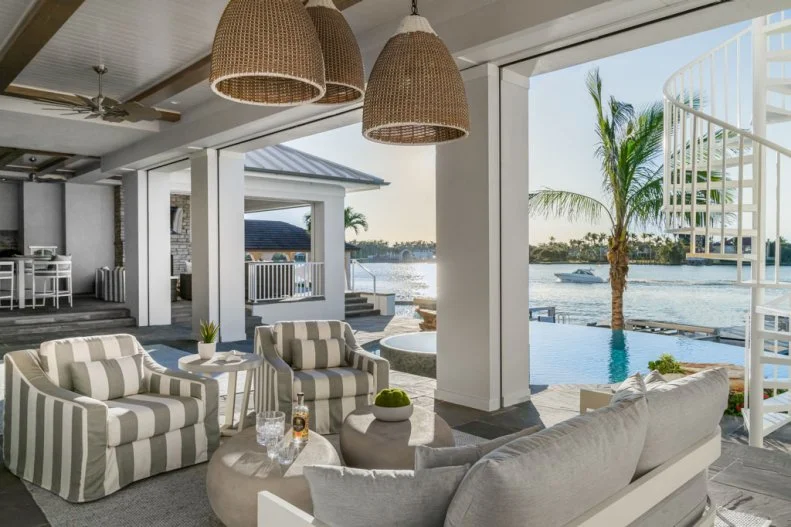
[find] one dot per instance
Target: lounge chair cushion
(332, 383)
(653, 380)
(427, 457)
(682, 412)
(683, 508)
(285, 332)
(317, 354)
(536, 480)
(350, 497)
(631, 387)
(147, 415)
(108, 379)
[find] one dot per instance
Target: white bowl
(401, 413)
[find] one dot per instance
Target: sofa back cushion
(537, 480)
(57, 355)
(286, 332)
(317, 354)
(681, 413)
(108, 379)
(350, 497)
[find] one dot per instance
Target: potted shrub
(208, 339)
(668, 366)
(392, 404)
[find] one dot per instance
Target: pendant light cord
(414, 8)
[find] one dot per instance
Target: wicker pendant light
(343, 62)
(266, 52)
(415, 92)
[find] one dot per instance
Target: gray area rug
(173, 499)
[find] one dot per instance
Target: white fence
(272, 281)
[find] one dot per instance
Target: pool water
(568, 354)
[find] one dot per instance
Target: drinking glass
(287, 452)
(270, 428)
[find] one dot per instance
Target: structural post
(482, 221)
(217, 213)
(758, 270)
(328, 244)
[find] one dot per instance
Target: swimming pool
(568, 354)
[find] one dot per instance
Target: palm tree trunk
(618, 256)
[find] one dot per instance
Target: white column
(136, 244)
(147, 247)
(217, 214)
(482, 222)
(328, 246)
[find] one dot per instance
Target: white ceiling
(11, 13)
(140, 41)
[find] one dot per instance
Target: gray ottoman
(368, 443)
(240, 469)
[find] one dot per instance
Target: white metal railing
(356, 263)
(275, 281)
(725, 203)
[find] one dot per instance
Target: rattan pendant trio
(286, 53)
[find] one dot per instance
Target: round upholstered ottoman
(240, 469)
(368, 443)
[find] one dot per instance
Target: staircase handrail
(364, 268)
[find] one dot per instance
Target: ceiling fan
(105, 108)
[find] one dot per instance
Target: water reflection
(618, 367)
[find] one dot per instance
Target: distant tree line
(384, 249)
(593, 247)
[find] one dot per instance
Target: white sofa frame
(621, 509)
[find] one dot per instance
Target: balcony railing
(274, 282)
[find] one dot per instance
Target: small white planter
(402, 413)
(206, 350)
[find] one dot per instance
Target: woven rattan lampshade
(267, 52)
(415, 93)
(343, 62)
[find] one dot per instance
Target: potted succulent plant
(208, 339)
(392, 404)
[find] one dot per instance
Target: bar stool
(7, 277)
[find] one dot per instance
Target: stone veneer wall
(9, 240)
(181, 244)
(119, 226)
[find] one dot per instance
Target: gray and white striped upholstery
(84, 449)
(318, 354)
(330, 394)
(110, 284)
(57, 355)
(108, 379)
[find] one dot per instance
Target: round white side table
(230, 362)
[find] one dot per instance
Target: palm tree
(629, 148)
(351, 220)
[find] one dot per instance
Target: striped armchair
(330, 393)
(84, 449)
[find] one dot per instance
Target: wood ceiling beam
(193, 74)
(9, 156)
(40, 24)
(39, 95)
(57, 164)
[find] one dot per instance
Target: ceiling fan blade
(108, 102)
(138, 112)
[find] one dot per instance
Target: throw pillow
(317, 354)
(538, 480)
(681, 413)
(631, 387)
(653, 379)
(350, 497)
(108, 379)
(427, 457)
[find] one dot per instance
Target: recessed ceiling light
(128, 170)
(194, 148)
(175, 102)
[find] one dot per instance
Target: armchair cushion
(147, 415)
(286, 332)
(108, 379)
(318, 354)
(56, 355)
(332, 383)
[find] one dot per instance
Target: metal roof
(266, 235)
(288, 161)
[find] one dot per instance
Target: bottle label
(299, 424)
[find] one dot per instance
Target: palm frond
(570, 205)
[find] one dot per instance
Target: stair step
(32, 318)
(731, 162)
(777, 384)
(782, 86)
(353, 294)
(774, 358)
(778, 403)
(776, 114)
(84, 326)
(354, 300)
(771, 422)
(359, 307)
(775, 335)
(779, 55)
(783, 26)
(363, 313)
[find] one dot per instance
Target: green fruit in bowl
(392, 398)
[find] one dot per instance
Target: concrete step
(355, 300)
(30, 317)
(367, 312)
(353, 294)
(56, 329)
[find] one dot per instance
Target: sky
(561, 153)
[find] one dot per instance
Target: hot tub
(414, 353)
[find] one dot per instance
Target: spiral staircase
(725, 182)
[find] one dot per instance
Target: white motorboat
(580, 276)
